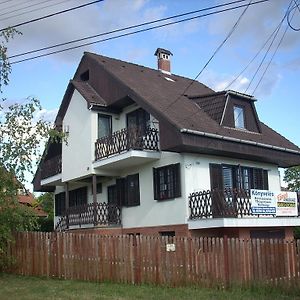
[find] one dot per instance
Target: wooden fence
(156, 260)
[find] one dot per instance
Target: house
(150, 152)
(26, 199)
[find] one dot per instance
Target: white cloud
(46, 115)
(220, 81)
(90, 20)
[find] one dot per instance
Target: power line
(55, 14)
(214, 54)
(268, 49)
(217, 49)
(259, 51)
(290, 20)
(274, 53)
(22, 8)
(126, 28)
(135, 32)
(5, 1)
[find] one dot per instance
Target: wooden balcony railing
(222, 204)
(95, 214)
(51, 167)
(126, 139)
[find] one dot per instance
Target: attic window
(85, 76)
(239, 117)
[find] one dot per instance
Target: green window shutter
(155, 184)
(216, 178)
(177, 180)
(265, 180)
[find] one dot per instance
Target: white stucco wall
(198, 177)
(78, 153)
(78, 157)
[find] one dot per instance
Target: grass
(21, 287)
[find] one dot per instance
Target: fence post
(226, 261)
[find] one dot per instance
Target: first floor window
(104, 125)
(236, 176)
(166, 182)
(60, 204)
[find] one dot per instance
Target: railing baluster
(233, 203)
(126, 139)
(106, 214)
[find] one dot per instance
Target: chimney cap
(161, 50)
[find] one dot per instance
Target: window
(166, 182)
(138, 118)
(78, 197)
(239, 117)
(60, 204)
(236, 176)
(133, 190)
(99, 188)
(85, 76)
(126, 191)
(112, 194)
(104, 126)
(167, 233)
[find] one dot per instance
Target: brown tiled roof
(88, 93)
(212, 105)
(163, 93)
(28, 200)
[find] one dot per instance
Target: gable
(251, 121)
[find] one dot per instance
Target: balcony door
(137, 123)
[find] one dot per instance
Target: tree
(45, 201)
(20, 139)
(292, 177)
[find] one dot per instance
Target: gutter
(231, 139)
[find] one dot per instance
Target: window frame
(109, 117)
(257, 178)
(60, 204)
(168, 176)
(78, 197)
(125, 195)
(236, 120)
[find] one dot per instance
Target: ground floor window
(78, 197)
(166, 182)
(267, 234)
(60, 204)
(125, 192)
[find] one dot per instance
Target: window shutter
(155, 184)
(177, 181)
(133, 190)
(265, 180)
(121, 191)
(216, 178)
(258, 179)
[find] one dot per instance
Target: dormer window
(239, 117)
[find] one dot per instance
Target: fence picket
(145, 259)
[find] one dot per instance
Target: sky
(192, 44)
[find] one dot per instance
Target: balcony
(127, 147)
(90, 215)
(51, 171)
(231, 208)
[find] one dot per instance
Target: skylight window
(239, 117)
